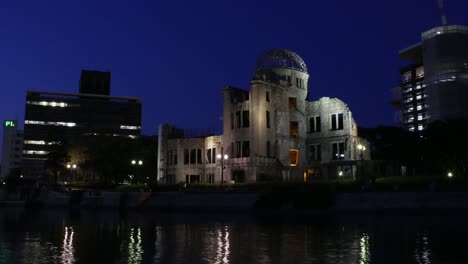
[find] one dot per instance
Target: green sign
(10, 123)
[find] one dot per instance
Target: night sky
(177, 55)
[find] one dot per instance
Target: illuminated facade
(270, 132)
(434, 86)
(51, 117)
(12, 147)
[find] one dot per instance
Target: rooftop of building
(31, 93)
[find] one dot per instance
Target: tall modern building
(52, 117)
(270, 132)
(12, 147)
(434, 85)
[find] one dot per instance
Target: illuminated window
(418, 97)
(292, 103)
(315, 152)
(35, 152)
(420, 72)
(294, 157)
(338, 150)
(420, 127)
(411, 129)
(419, 107)
(294, 129)
(45, 103)
(47, 123)
(315, 124)
(130, 127)
(34, 142)
(337, 121)
(420, 117)
(406, 76)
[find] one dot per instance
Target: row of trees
(440, 148)
(103, 159)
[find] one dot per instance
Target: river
(61, 236)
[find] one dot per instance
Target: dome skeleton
(280, 58)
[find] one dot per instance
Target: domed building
(270, 133)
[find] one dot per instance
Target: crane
(443, 15)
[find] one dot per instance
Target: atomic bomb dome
(280, 58)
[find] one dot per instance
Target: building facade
(434, 85)
(52, 117)
(270, 132)
(12, 147)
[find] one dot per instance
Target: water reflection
(67, 256)
(364, 249)
(135, 250)
(422, 252)
(166, 238)
(222, 251)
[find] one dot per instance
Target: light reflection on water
(58, 237)
(67, 249)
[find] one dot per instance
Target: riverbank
(320, 202)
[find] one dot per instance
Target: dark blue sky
(177, 55)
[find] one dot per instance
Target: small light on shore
(450, 174)
(340, 173)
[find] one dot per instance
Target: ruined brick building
(270, 132)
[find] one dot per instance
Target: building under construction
(434, 84)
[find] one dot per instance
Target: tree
(445, 145)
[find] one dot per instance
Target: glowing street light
(222, 158)
(450, 174)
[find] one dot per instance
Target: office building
(12, 147)
(270, 132)
(434, 84)
(52, 117)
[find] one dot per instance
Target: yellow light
(294, 157)
(305, 176)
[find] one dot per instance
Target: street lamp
(222, 158)
(449, 174)
(72, 168)
(361, 149)
(134, 164)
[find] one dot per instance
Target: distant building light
(450, 174)
(49, 123)
(35, 152)
(340, 173)
(130, 127)
(45, 103)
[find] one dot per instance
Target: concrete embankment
(180, 201)
(214, 201)
(401, 200)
